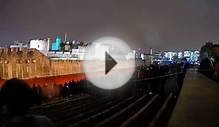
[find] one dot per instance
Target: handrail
(204, 70)
(163, 76)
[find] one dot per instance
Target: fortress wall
(64, 67)
(29, 63)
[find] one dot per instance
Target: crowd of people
(84, 86)
(155, 70)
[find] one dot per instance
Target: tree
(62, 45)
(205, 51)
(206, 56)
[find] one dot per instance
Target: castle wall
(27, 63)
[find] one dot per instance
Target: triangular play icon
(109, 63)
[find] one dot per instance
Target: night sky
(160, 24)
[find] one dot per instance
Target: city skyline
(162, 25)
(18, 43)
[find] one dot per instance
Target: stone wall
(27, 63)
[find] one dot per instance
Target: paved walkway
(198, 103)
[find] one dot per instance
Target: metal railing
(160, 84)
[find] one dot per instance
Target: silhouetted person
(17, 97)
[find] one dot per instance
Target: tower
(56, 44)
(65, 37)
(151, 56)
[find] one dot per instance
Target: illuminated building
(74, 54)
(180, 55)
(18, 45)
(170, 55)
(56, 45)
(41, 45)
(191, 56)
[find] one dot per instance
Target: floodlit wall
(27, 63)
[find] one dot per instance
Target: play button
(109, 63)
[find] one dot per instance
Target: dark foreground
(145, 102)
